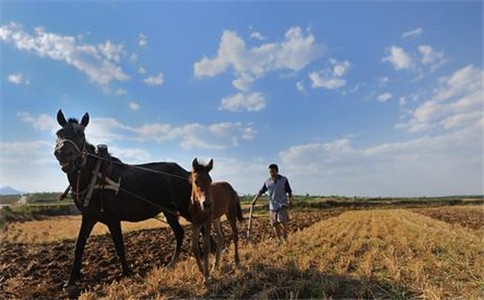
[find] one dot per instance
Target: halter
(81, 153)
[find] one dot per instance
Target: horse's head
(201, 182)
(71, 143)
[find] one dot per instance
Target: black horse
(108, 191)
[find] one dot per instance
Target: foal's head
(71, 142)
(201, 181)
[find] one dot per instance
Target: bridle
(81, 153)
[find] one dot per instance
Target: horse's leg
(179, 233)
(233, 224)
(220, 241)
(87, 225)
(195, 245)
(206, 250)
(117, 236)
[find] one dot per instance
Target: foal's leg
(117, 236)
(179, 233)
(233, 224)
(84, 232)
(206, 250)
(196, 246)
(220, 241)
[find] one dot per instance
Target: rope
(139, 168)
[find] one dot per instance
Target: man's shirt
(278, 189)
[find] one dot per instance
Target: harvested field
(35, 270)
(331, 254)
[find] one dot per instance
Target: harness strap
(92, 184)
(139, 168)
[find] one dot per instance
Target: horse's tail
(239, 208)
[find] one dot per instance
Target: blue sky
(349, 98)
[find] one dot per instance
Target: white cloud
(300, 87)
(131, 155)
(190, 136)
(425, 60)
(257, 35)
(121, 92)
(18, 79)
(297, 50)
(133, 58)
(420, 167)
(330, 78)
(413, 33)
(33, 162)
(243, 82)
(142, 40)
(98, 62)
(294, 53)
(155, 79)
(241, 101)
(42, 122)
(216, 136)
(400, 59)
(320, 81)
(429, 56)
(384, 97)
(456, 102)
(383, 81)
(133, 106)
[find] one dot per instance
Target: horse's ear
(60, 118)
(210, 164)
(85, 120)
(195, 164)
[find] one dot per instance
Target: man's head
(273, 170)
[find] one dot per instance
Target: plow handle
(250, 220)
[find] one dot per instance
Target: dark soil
(38, 271)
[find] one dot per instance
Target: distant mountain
(7, 190)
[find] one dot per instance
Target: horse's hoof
(128, 274)
(71, 289)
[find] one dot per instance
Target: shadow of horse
(264, 281)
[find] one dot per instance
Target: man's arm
(288, 190)
(255, 198)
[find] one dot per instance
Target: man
(280, 195)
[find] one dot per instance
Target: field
(397, 253)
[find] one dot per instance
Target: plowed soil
(470, 216)
(39, 270)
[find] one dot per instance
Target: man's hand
(255, 199)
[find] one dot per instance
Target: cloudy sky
(349, 98)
